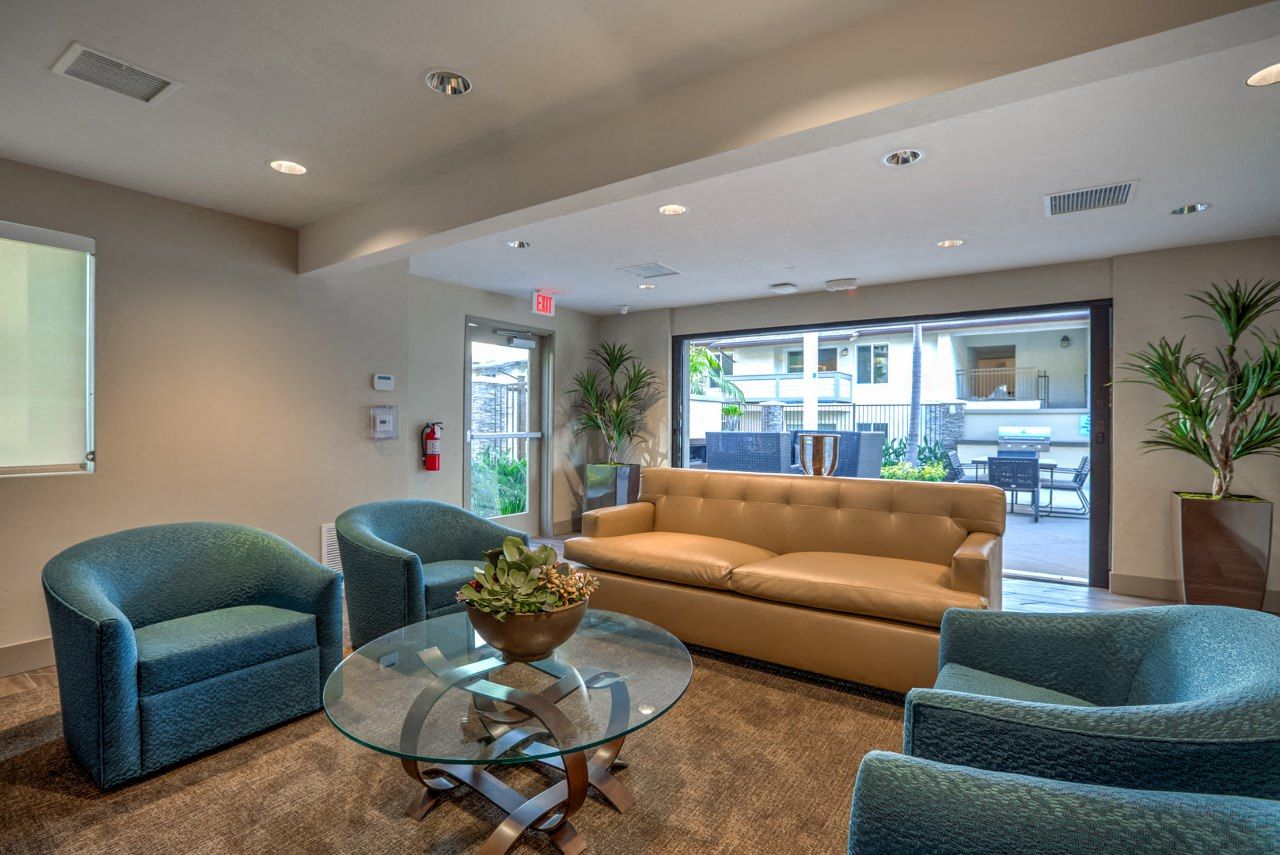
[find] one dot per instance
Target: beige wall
(1147, 292)
(229, 388)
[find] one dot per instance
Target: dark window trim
(1100, 359)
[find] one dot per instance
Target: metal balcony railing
(1003, 384)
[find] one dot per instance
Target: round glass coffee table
(441, 700)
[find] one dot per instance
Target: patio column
(810, 382)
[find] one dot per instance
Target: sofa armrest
(97, 659)
(621, 519)
(976, 567)
(906, 805)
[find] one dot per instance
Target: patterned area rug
(752, 760)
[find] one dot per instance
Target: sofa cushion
(892, 588)
(189, 649)
(690, 559)
(444, 578)
(971, 681)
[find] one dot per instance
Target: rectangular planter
(607, 485)
(1222, 549)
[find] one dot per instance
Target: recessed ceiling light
(646, 286)
(1265, 77)
(288, 167)
(447, 81)
(1192, 208)
(672, 210)
(518, 244)
(848, 283)
(784, 288)
(902, 157)
(950, 243)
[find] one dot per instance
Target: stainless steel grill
(1035, 439)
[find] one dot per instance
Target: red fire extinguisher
(431, 446)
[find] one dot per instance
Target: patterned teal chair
(172, 640)
(1180, 698)
(911, 806)
(404, 560)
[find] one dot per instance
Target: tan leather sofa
(842, 576)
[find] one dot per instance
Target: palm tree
(706, 371)
(913, 417)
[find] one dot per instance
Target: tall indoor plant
(1220, 408)
(611, 398)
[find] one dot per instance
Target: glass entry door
(504, 421)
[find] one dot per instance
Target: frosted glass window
(46, 351)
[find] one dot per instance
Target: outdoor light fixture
(1065, 341)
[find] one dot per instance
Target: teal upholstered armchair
(175, 639)
(1180, 698)
(405, 559)
(910, 806)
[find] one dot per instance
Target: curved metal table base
(531, 717)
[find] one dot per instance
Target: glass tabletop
(435, 691)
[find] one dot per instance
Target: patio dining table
(1047, 464)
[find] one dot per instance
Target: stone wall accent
(944, 423)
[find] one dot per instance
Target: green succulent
(518, 580)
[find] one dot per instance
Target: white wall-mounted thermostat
(384, 422)
(384, 382)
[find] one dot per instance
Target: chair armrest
(97, 659)
(907, 805)
(634, 518)
(298, 582)
(385, 585)
(1090, 655)
(976, 567)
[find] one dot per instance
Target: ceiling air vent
(650, 270)
(97, 68)
(1071, 201)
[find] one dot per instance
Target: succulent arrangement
(518, 580)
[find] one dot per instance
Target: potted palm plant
(1219, 409)
(611, 399)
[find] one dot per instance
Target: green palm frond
(1217, 407)
(611, 399)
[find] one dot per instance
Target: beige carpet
(750, 761)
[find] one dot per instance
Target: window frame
(76, 243)
(835, 359)
(871, 365)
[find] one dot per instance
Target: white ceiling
(336, 85)
(1187, 131)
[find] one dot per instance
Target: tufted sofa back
(788, 513)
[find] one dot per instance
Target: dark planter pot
(1223, 549)
(531, 637)
(611, 485)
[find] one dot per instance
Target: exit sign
(544, 303)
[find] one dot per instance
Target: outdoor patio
(1057, 545)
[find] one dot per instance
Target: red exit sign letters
(544, 303)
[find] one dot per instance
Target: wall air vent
(1071, 201)
(329, 555)
(650, 270)
(97, 68)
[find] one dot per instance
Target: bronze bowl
(528, 637)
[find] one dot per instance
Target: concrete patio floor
(1058, 546)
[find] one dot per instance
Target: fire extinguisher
(431, 446)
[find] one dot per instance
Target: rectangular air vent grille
(107, 72)
(1090, 199)
(650, 270)
(329, 555)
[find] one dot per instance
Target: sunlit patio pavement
(1056, 545)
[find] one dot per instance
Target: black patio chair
(1017, 475)
(1074, 483)
(956, 470)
